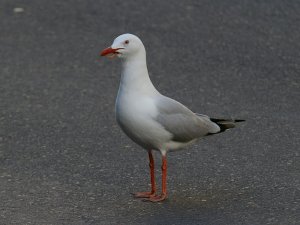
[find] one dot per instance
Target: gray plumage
(181, 122)
(150, 119)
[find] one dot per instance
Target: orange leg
(163, 196)
(152, 176)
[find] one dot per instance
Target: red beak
(109, 51)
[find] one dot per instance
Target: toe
(144, 194)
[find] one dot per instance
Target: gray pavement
(63, 159)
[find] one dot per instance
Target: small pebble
(18, 10)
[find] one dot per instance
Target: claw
(151, 196)
(156, 198)
(144, 194)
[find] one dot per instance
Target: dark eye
(126, 42)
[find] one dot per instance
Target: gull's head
(124, 46)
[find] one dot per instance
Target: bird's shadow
(215, 207)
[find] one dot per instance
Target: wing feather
(181, 122)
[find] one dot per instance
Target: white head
(125, 46)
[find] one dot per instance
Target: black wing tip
(225, 124)
(238, 121)
(226, 120)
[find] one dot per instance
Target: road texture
(63, 159)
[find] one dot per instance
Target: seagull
(150, 119)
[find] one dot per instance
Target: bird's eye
(126, 42)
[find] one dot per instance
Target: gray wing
(181, 122)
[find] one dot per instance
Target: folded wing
(182, 123)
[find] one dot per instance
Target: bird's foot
(144, 194)
(157, 198)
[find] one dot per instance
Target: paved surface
(63, 160)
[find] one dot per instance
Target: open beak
(110, 52)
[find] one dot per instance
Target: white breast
(136, 116)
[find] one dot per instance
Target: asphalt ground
(64, 160)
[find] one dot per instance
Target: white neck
(135, 75)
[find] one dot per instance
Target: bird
(150, 119)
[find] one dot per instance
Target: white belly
(136, 117)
